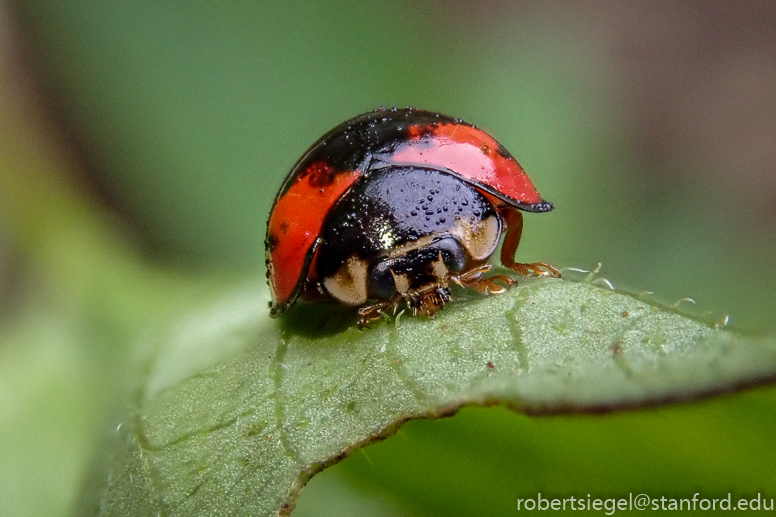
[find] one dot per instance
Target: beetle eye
(381, 280)
(452, 253)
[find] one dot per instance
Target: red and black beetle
(395, 205)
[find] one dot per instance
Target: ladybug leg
(370, 313)
(489, 285)
(474, 279)
(471, 277)
(513, 220)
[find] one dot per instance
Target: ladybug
(397, 205)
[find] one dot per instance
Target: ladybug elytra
(395, 205)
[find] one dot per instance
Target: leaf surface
(238, 411)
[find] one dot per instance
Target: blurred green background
(142, 143)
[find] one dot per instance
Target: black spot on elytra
(425, 131)
(271, 241)
(319, 174)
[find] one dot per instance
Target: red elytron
(349, 181)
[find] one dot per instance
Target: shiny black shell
(393, 208)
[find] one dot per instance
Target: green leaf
(238, 411)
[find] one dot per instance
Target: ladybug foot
(535, 269)
(370, 313)
(476, 281)
(489, 285)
